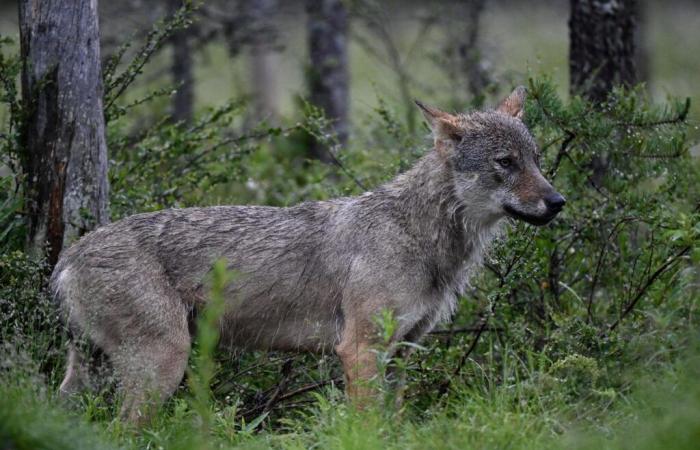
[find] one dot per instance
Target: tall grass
(661, 412)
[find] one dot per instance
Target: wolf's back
(133, 271)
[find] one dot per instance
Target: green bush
(30, 325)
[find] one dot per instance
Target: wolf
(311, 277)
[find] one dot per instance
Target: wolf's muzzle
(553, 202)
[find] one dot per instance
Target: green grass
(661, 411)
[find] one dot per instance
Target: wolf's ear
(514, 104)
(444, 125)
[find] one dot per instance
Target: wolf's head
(495, 161)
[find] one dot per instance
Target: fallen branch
(465, 356)
(462, 330)
(274, 402)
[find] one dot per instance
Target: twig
(154, 41)
(275, 401)
(599, 264)
(228, 141)
(494, 269)
(463, 330)
(640, 293)
(309, 387)
(347, 171)
(682, 115)
(219, 389)
(446, 384)
(281, 386)
(570, 136)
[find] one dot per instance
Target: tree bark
(602, 46)
(65, 157)
(181, 70)
(328, 72)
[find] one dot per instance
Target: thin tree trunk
(264, 59)
(328, 72)
(602, 46)
(641, 43)
(64, 136)
(264, 67)
(467, 50)
(181, 70)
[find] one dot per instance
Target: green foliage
(29, 319)
(116, 84)
(172, 164)
(30, 419)
(11, 223)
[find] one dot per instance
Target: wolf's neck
(449, 226)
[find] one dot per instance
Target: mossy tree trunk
(65, 153)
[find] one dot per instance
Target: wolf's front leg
(359, 361)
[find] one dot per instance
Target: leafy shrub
(30, 327)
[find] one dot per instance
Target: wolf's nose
(555, 202)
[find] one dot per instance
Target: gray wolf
(311, 277)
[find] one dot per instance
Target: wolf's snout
(555, 202)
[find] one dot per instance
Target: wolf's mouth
(530, 218)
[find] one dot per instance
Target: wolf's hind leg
(151, 364)
(149, 375)
(77, 373)
(149, 378)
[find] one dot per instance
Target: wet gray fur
(133, 287)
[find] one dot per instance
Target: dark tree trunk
(264, 59)
(602, 46)
(181, 70)
(64, 137)
(328, 72)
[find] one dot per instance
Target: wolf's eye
(505, 162)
